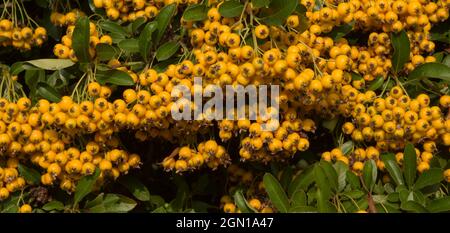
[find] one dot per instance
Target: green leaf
(409, 164)
(95, 202)
(376, 84)
(157, 200)
(330, 173)
(80, 39)
(105, 52)
(231, 8)
(341, 170)
(354, 194)
(428, 178)
(167, 50)
(347, 147)
(302, 209)
(400, 43)
(322, 181)
(145, 39)
(278, 11)
(446, 60)
(137, 24)
(29, 174)
(330, 124)
(286, 177)
(412, 206)
(301, 181)
(32, 77)
(53, 205)
(18, 67)
(116, 77)
(340, 31)
(48, 92)
(299, 198)
(135, 187)
(122, 204)
(129, 45)
(276, 193)
(260, 3)
(353, 180)
(392, 167)
(85, 185)
(10, 205)
(370, 174)
(356, 76)
(113, 27)
(242, 203)
(439, 205)
(51, 64)
(323, 204)
(431, 70)
(163, 18)
(196, 12)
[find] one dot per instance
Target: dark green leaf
(409, 164)
(412, 206)
(354, 194)
(301, 181)
(85, 185)
(113, 27)
(446, 60)
(98, 200)
(53, 205)
(48, 92)
(241, 202)
(105, 52)
(439, 205)
(323, 203)
(29, 174)
(340, 31)
(260, 3)
(196, 12)
(428, 178)
(129, 45)
(376, 84)
(330, 173)
(135, 187)
(353, 180)
(302, 209)
(116, 77)
(231, 8)
(298, 198)
(400, 43)
(392, 167)
(80, 39)
(18, 67)
(330, 124)
(431, 70)
(145, 39)
(276, 193)
(167, 50)
(286, 177)
(322, 181)
(122, 205)
(163, 18)
(278, 11)
(370, 174)
(137, 24)
(341, 170)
